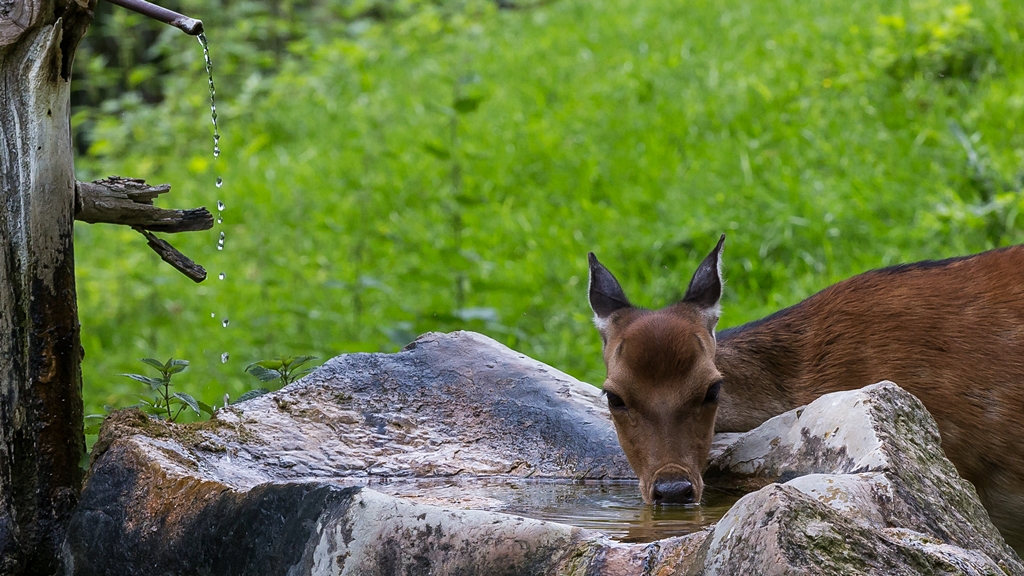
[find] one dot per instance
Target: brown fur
(661, 365)
(950, 332)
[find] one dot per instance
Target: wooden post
(41, 440)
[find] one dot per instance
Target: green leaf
(263, 374)
(437, 150)
(176, 368)
(467, 104)
(154, 363)
(188, 399)
(299, 361)
(152, 382)
(252, 394)
(203, 406)
(467, 200)
(271, 364)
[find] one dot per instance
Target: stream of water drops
(213, 96)
(220, 181)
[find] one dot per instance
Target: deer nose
(673, 491)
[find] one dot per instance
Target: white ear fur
(605, 293)
(715, 313)
(711, 316)
(705, 289)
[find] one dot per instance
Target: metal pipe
(187, 25)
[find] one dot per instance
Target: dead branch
(129, 201)
(172, 256)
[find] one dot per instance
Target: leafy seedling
(166, 404)
(285, 370)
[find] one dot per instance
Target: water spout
(189, 26)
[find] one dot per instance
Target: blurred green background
(397, 167)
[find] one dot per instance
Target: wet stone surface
(445, 406)
(609, 506)
(460, 456)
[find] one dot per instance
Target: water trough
(460, 456)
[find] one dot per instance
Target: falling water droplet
(220, 220)
(220, 182)
(225, 322)
(213, 314)
(221, 275)
(220, 242)
(224, 358)
(213, 92)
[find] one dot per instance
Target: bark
(172, 256)
(41, 441)
(129, 201)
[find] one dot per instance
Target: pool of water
(612, 507)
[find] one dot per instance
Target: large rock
(853, 483)
(869, 491)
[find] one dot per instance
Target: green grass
(816, 135)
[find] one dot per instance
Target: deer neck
(759, 362)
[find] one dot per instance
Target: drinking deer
(951, 332)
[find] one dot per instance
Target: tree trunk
(41, 441)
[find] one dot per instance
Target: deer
(951, 332)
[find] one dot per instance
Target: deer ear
(705, 288)
(606, 296)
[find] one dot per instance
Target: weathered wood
(41, 441)
(16, 18)
(129, 201)
(187, 25)
(172, 256)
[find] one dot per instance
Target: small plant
(283, 369)
(937, 41)
(984, 199)
(166, 404)
(468, 93)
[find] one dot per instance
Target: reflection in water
(612, 507)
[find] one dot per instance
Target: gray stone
(874, 456)
(853, 483)
(445, 405)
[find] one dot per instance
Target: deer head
(662, 385)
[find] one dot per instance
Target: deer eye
(712, 395)
(615, 401)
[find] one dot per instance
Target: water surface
(610, 506)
